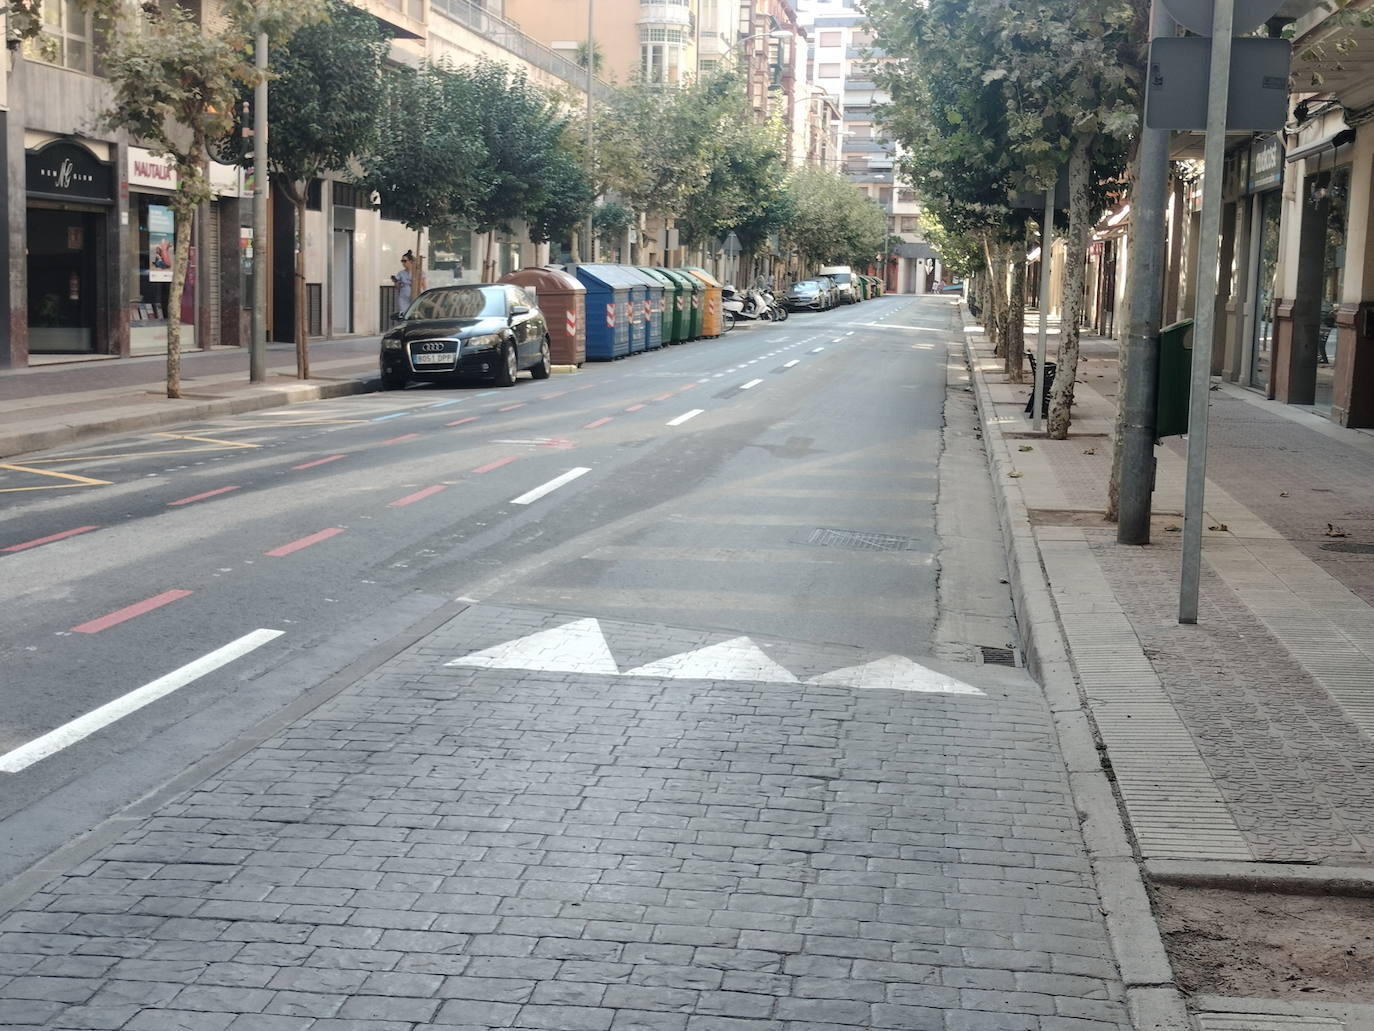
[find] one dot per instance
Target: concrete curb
(1152, 998)
(1347, 881)
(20, 442)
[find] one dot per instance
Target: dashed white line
(84, 726)
(794, 361)
(551, 486)
(751, 384)
(817, 350)
(685, 416)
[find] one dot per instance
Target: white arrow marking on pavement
(84, 726)
(751, 384)
(894, 673)
(548, 488)
(736, 659)
(685, 416)
(577, 647)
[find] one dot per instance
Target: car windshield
(459, 302)
(840, 277)
(805, 287)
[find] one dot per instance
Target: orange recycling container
(711, 325)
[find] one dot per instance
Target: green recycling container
(696, 302)
(1175, 379)
(675, 317)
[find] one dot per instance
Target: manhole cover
(1350, 547)
(858, 540)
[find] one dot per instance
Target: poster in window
(161, 236)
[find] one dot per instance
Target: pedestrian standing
(403, 281)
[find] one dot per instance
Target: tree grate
(858, 540)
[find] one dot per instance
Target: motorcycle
(747, 305)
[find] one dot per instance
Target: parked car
(807, 295)
(489, 331)
(832, 292)
(843, 276)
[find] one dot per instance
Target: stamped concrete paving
(458, 846)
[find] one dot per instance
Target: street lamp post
(257, 347)
(591, 71)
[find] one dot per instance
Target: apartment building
(841, 57)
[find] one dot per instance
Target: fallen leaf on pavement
(1025, 447)
(1283, 493)
(1090, 451)
(1171, 528)
(1219, 526)
(1014, 474)
(1335, 531)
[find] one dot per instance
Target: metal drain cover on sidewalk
(858, 540)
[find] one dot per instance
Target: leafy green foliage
(831, 222)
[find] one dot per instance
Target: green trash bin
(696, 302)
(675, 316)
(1175, 379)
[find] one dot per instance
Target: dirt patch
(1268, 945)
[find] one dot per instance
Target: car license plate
(434, 359)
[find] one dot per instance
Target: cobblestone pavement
(476, 847)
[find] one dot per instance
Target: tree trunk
(1061, 398)
(181, 259)
(992, 318)
(1016, 307)
(298, 192)
(1113, 511)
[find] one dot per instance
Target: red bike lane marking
(494, 465)
(50, 538)
(304, 542)
(597, 422)
(397, 440)
(201, 497)
(319, 461)
(635, 408)
(419, 495)
(511, 408)
(459, 422)
(94, 626)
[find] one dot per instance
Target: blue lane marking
(487, 393)
(445, 404)
(393, 415)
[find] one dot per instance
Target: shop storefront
(70, 197)
(152, 253)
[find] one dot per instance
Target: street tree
(427, 162)
(655, 146)
(324, 96)
(1068, 76)
(526, 139)
(832, 223)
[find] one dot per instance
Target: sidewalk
(1242, 747)
(49, 405)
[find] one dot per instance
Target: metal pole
(1214, 154)
(1042, 343)
(1148, 200)
(587, 229)
(257, 347)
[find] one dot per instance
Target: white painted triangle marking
(736, 659)
(894, 673)
(578, 647)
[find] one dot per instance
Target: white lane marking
(817, 350)
(794, 361)
(736, 659)
(83, 726)
(895, 673)
(578, 647)
(685, 416)
(551, 486)
(751, 384)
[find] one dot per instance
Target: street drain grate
(1350, 547)
(858, 540)
(998, 656)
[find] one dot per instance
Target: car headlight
(486, 342)
(391, 343)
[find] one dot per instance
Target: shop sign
(69, 171)
(161, 241)
(145, 170)
(149, 172)
(1266, 165)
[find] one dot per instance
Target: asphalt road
(779, 480)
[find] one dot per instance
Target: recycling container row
(602, 312)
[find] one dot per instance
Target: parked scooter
(754, 305)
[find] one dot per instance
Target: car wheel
(391, 381)
(544, 366)
(509, 368)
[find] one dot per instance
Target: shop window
(152, 239)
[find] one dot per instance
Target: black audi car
(450, 332)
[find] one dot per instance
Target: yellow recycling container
(712, 324)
